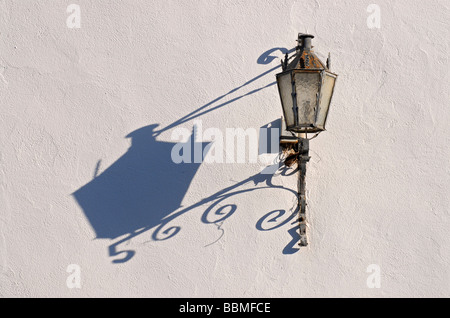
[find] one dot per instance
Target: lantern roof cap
(304, 35)
(305, 58)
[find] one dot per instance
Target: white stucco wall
(377, 184)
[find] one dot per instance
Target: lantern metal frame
(307, 128)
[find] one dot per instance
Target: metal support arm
(303, 158)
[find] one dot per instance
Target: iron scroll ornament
(165, 230)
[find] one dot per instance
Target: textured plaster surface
(377, 184)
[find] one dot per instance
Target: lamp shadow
(144, 188)
(138, 190)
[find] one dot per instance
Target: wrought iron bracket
(303, 158)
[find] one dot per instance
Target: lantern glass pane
(285, 88)
(327, 92)
(307, 87)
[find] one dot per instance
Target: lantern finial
(304, 41)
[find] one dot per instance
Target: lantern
(306, 86)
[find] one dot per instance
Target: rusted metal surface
(306, 60)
